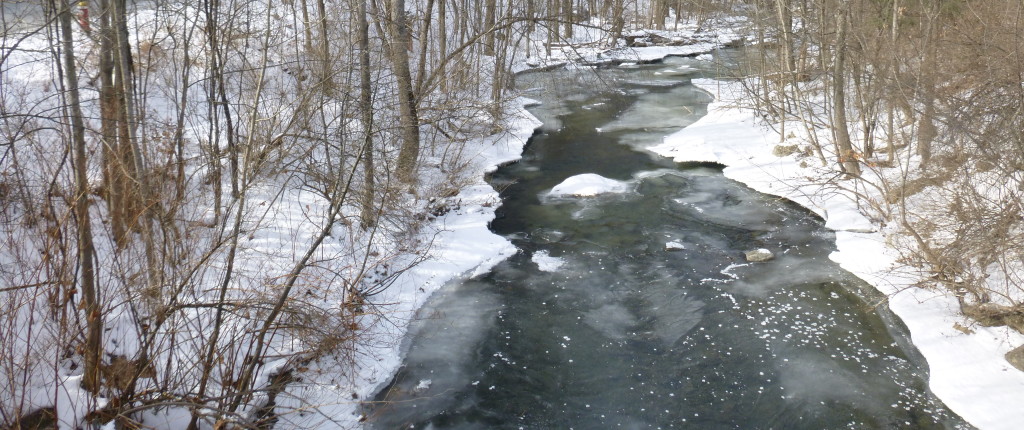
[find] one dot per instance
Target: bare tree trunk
(659, 11)
(552, 20)
(305, 26)
(618, 21)
(442, 42)
(121, 157)
(135, 200)
(179, 127)
(501, 74)
(367, 213)
(893, 76)
(125, 63)
(421, 73)
(409, 153)
(218, 92)
(926, 131)
(847, 157)
(490, 10)
(109, 108)
(567, 15)
(326, 66)
(787, 78)
(90, 298)
(785, 17)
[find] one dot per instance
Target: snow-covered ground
(968, 370)
(461, 246)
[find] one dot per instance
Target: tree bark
(367, 213)
(442, 42)
(847, 157)
(121, 155)
(421, 73)
(109, 107)
(785, 17)
(567, 15)
(409, 153)
(90, 299)
(618, 21)
(926, 131)
(552, 24)
(326, 65)
(490, 10)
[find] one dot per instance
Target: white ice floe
(588, 185)
(674, 246)
(546, 262)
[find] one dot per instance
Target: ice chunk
(546, 262)
(423, 386)
(587, 185)
(674, 246)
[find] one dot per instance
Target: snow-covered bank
(461, 246)
(688, 40)
(968, 371)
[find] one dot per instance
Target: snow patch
(588, 185)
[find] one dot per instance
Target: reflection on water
(638, 309)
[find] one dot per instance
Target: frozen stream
(637, 308)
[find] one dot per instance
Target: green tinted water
(652, 317)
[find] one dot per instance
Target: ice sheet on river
(657, 114)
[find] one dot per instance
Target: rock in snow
(759, 255)
(1016, 357)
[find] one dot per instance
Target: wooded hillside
(201, 198)
(923, 102)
